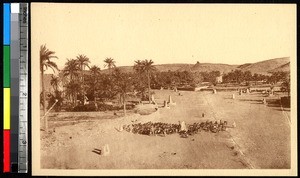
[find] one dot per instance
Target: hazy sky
(165, 33)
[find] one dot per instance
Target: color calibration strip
(6, 87)
(15, 87)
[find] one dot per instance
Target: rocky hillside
(282, 68)
(262, 67)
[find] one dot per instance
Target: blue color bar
(6, 23)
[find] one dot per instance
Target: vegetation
(145, 67)
(82, 87)
(109, 63)
(123, 85)
(45, 62)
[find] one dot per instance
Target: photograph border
(35, 128)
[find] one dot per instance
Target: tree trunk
(75, 98)
(82, 84)
(149, 94)
(44, 101)
(124, 104)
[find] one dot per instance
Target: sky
(165, 33)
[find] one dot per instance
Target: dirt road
(260, 140)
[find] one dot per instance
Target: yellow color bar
(6, 111)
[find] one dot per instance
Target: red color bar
(6, 151)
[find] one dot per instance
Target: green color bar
(6, 66)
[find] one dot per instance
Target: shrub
(100, 107)
(286, 101)
(87, 107)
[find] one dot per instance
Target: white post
(214, 91)
(170, 99)
(264, 101)
(165, 104)
(106, 150)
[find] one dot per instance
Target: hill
(283, 68)
(208, 67)
(159, 67)
(263, 67)
(244, 65)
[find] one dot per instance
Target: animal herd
(163, 129)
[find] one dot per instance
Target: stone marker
(106, 150)
(152, 99)
(171, 101)
(233, 96)
(264, 101)
(234, 125)
(121, 128)
(214, 91)
(247, 91)
(165, 104)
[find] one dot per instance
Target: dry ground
(260, 140)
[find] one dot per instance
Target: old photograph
(163, 89)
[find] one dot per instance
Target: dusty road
(260, 140)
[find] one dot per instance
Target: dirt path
(262, 132)
(72, 146)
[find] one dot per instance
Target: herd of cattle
(159, 128)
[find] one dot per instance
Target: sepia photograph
(163, 89)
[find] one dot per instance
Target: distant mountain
(159, 67)
(173, 67)
(208, 67)
(262, 67)
(244, 65)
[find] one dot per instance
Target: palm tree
(54, 82)
(109, 63)
(145, 67)
(45, 62)
(95, 72)
(124, 85)
(72, 70)
(72, 89)
(83, 61)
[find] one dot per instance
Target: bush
(286, 101)
(100, 107)
(87, 107)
